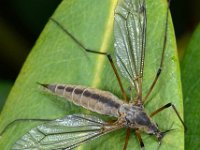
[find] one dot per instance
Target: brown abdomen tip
(50, 87)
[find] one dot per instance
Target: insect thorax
(136, 118)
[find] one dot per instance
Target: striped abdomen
(92, 99)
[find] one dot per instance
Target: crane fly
(72, 130)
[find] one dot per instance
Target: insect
(73, 130)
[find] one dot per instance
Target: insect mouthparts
(160, 135)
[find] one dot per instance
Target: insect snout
(160, 135)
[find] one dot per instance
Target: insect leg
(137, 132)
(162, 57)
(167, 106)
(94, 52)
(127, 138)
(21, 120)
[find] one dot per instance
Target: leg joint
(159, 71)
(168, 105)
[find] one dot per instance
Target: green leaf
(5, 87)
(190, 73)
(56, 58)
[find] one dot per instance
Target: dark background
(21, 22)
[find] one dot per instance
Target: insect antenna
(163, 134)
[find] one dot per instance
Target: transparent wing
(130, 36)
(66, 133)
